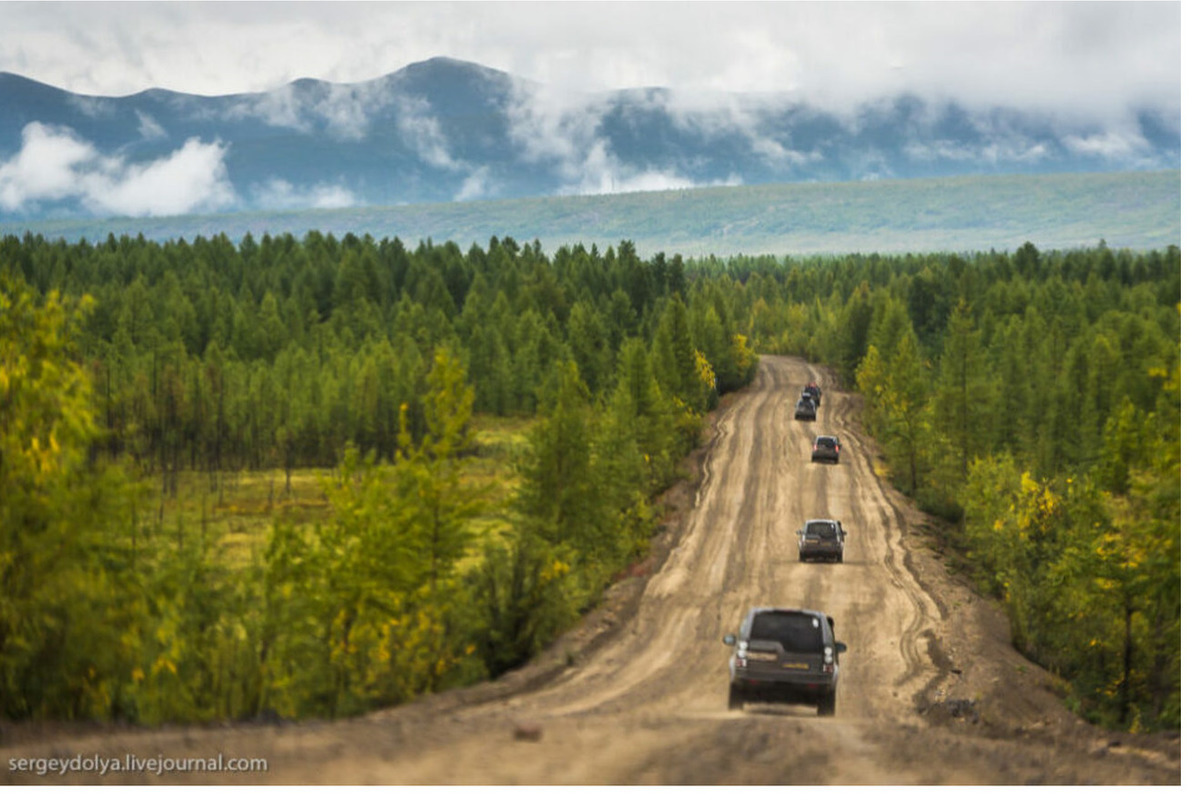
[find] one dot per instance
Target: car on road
(812, 393)
(785, 655)
(805, 410)
(826, 448)
(822, 538)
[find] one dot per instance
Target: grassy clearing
(238, 510)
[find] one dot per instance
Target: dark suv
(805, 410)
(785, 655)
(814, 392)
(826, 448)
(822, 538)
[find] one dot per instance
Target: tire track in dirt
(874, 496)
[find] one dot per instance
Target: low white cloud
(713, 114)
(870, 165)
(477, 186)
(996, 153)
(420, 130)
(94, 107)
(548, 124)
(279, 107)
(279, 193)
(1111, 145)
(148, 127)
(603, 173)
(347, 110)
(55, 165)
(45, 169)
(563, 130)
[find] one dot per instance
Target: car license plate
(796, 665)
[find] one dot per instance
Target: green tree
(962, 392)
(61, 654)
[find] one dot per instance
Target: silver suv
(786, 655)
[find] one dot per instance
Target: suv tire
(736, 701)
(827, 706)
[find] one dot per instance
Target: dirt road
(930, 692)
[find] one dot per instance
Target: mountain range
(445, 130)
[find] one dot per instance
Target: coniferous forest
(1031, 399)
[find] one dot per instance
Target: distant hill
(1137, 210)
(446, 130)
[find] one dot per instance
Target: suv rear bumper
(807, 692)
(833, 553)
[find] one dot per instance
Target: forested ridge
(1032, 399)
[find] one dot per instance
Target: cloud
(477, 186)
(752, 118)
(549, 124)
(563, 130)
(55, 165)
(149, 128)
(279, 193)
(94, 107)
(603, 173)
(421, 131)
(347, 110)
(280, 108)
(1018, 150)
(1110, 145)
(46, 168)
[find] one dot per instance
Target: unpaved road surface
(931, 692)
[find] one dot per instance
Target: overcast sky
(1091, 67)
(1096, 58)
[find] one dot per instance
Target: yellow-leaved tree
(62, 654)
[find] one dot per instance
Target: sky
(1092, 66)
(1093, 58)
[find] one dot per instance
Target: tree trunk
(1127, 661)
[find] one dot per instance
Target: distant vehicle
(826, 448)
(805, 410)
(785, 655)
(812, 394)
(822, 538)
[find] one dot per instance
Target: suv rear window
(826, 441)
(798, 633)
(823, 529)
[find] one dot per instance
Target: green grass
(239, 509)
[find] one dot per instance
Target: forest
(1031, 400)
